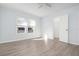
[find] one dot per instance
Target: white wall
(56, 27)
(73, 14)
(36, 30)
(0, 27)
(8, 23)
(8, 19)
(47, 27)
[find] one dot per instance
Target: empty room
(39, 29)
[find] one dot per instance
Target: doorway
(61, 28)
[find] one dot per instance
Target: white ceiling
(34, 9)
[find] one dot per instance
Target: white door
(63, 28)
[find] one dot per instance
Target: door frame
(68, 26)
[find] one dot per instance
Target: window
(20, 29)
(30, 29)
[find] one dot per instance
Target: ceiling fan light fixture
(44, 5)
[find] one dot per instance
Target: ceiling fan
(44, 5)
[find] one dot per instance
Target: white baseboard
(18, 40)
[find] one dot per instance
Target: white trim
(17, 40)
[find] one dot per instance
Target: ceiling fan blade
(44, 5)
(40, 6)
(49, 5)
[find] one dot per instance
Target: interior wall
(36, 30)
(47, 29)
(73, 14)
(8, 23)
(0, 27)
(56, 27)
(8, 19)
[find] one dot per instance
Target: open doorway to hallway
(61, 28)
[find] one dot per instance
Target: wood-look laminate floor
(38, 48)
